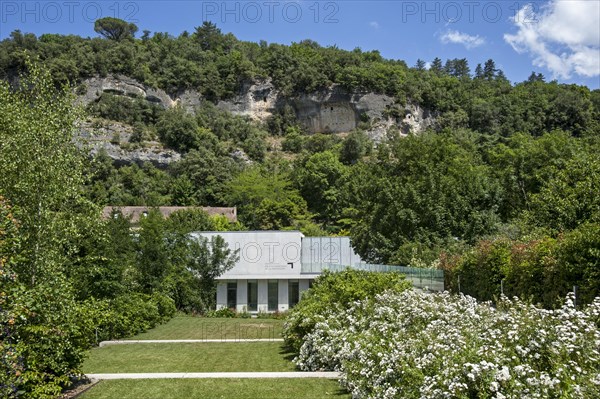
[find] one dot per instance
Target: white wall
(263, 296)
(283, 296)
(262, 254)
(242, 296)
(221, 294)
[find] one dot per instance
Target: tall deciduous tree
(42, 176)
(41, 168)
(431, 188)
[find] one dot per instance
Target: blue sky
(559, 38)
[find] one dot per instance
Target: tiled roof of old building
(136, 212)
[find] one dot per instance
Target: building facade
(276, 267)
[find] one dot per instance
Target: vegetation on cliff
(501, 192)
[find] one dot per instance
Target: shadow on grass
(287, 353)
(341, 393)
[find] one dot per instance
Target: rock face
(124, 86)
(332, 110)
(258, 101)
(113, 139)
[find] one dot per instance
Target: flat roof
(248, 231)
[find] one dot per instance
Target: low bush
(419, 345)
(333, 291)
(222, 313)
(273, 315)
(124, 316)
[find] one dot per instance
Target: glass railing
(429, 279)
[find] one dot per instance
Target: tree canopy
(115, 29)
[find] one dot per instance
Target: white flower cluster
(419, 345)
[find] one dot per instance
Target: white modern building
(275, 267)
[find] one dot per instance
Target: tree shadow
(287, 353)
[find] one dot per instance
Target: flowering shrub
(332, 291)
(418, 345)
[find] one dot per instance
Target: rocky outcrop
(257, 100)
(124, 86)
(332, 110)
(113, 139)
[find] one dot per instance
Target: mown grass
(189, 327)
(301, 388)
(188, 357)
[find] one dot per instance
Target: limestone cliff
(332, 110)
(113, 138)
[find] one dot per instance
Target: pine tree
(478, 72)
(436, 66)
(420, 65)
(489, 69)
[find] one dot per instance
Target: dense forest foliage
(69, 279)
(499, 158)
(502, 192)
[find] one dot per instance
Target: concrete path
(290, 374)
(184, 341)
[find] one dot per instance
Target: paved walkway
(184, 341)
(290, 374)
(139, 376)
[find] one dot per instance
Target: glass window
(293, 293)
(252, 296)
(231, 295)
(273, 291)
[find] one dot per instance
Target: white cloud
(374, 24)
(454, 36)
(563, 36)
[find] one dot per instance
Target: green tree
(115, 29)
(429, 188)
(523, 163)
(152, 259)
(42, 176)
(189, 220)
(319, 179)
(293, 141)
(436, 66)
(569, 198)
(208, 36)
(41, 168)
(354, 147)
(420, 65)
(178, 130)
(263, 196)
(489, 70)
(205, 261)
(209, 175)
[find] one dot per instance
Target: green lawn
(301, 388)
(188, 327)
(197, 357)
